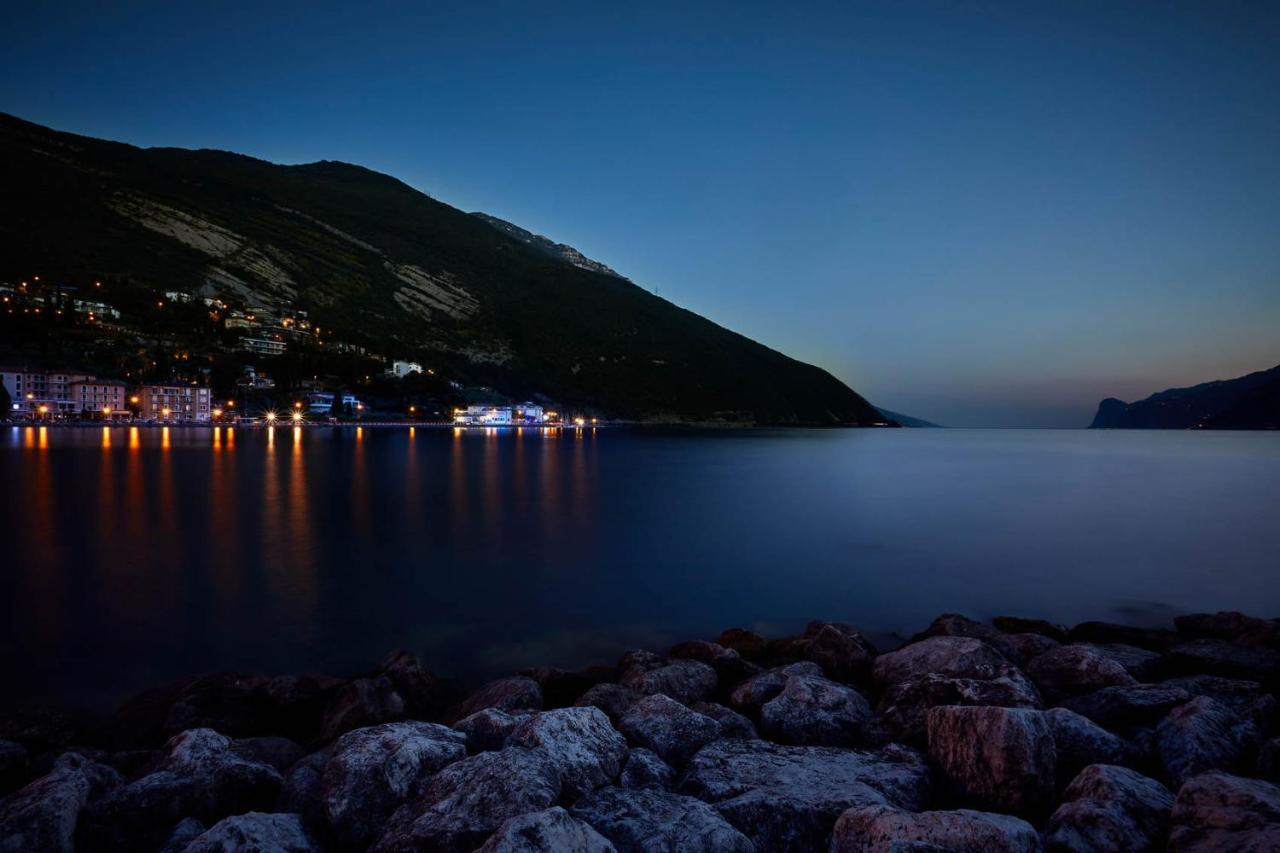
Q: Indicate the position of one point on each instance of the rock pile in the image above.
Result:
(1021, 735)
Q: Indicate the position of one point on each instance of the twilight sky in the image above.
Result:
(980, 213)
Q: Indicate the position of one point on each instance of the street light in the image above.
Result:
(271, 417)
(297, 417)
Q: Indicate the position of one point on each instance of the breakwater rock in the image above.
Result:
(1020, 735)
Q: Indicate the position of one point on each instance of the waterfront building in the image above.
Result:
(41, 393)
(320, 402)
(175, 403)
(529, 413)
(100, 397)
(263, 346)
(483, 416)
(401, 369)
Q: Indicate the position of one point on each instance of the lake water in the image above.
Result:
(132, 556)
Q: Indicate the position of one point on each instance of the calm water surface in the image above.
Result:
(133, 556)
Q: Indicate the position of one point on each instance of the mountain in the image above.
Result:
(546, 245)
(907, 420)
(382, 265)
(1249, 402)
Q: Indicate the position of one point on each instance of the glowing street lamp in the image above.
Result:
(297, 417)
(271, 417)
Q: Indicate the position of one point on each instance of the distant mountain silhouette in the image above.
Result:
(907, 420)
(1249, 402)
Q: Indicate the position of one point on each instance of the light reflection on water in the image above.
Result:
(137, 555)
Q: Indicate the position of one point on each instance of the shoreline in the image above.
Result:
(1015, 735)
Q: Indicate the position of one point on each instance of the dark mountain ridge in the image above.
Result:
(1247, 402)
(383, 265)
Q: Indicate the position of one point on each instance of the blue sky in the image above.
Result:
(979, 213)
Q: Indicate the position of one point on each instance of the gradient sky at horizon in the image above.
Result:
(978, 213)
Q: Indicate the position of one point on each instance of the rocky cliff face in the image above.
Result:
(1249, 402)
(547, 246)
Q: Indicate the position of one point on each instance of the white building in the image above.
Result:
(529, 413)
(401, 369)
(263, 346)
(483, 416)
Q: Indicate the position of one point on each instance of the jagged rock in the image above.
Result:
(1027, 646)
(1204, 735)
(187, 830)
(645, 769)
(1079, 742)
(1142, 664)
(1217, 813)
(1042, 627)
(750, 695)
(613, 699)
(278, 833)
(14, 761)
(1110, 808)
(955, 625)
(278, 752)
(359, 703)
(750, 645)
(1219, 657)
(468, 800)
(729, 665)
(373, 771)
(44, 814)
(1075, 669)
(423, 693)
(686, 681)
(1269, 760)
(303, 791)
(549, 831)
(786, 798)
(199, 776)
(1121, 708)
(489, 728)
(952, 657)
(561, 687)
(663, 725)
(518, 693)
(841, 650)
(1000, 758)
(1247, 698)
(1229, 625)
(1153, 639)
(637, 821)
(813, 711)
(581, 745)
(882, 829)
(904, 705)
(732, 724)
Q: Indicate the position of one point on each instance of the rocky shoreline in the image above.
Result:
(1020, 735)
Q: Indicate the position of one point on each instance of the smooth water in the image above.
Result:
(134, 556)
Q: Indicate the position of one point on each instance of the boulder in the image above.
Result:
(786, 798)
(1247, 698)
(1218, 812)
(1122, 708)
(1074, 669)
(1042, 627)
(549, 831)
(561, 688)
(1079, 742)
(303, 791)
(14, 761)
(750, 695)
(278, 752)
(638, 821)
(882, 829)
(468, 800)
(645, 769)
(841, 650)
(361, 702)
(686, 681)
(729, 665)
(579, 743)
(999, 758)
(373, 771)
(1219, 657)
(903, 706)
(1026, 646)
(1142, 664)
(1204, 735)
(187, 830)
(425, 696)
(1110, 808)
(1229, 625)
(813, 711)
(1152, 639)
(278, 833)
(732, 724)
(952, 657)
(750, 645)
(489, 728)
(613, 699)
(955, 625)
(518, 693)
(663, 725)
(44, 814)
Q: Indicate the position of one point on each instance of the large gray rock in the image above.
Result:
(813, 711)
(786, 798)
(361, 702)
(1142, 664)
(841, 650)
(998, 758)
(1075, 669)
(1247, 698)
(423, 693)
(749, 696)
(882, 829)
(613, 699)
(1079, 742)
(580, 744)
(1110, 808)
(748, 644)
(187, 830)
(303, 791)
(903, 706)
(549, 831)
(639, 821)
(1204, 735)
(1123, 708)
(375, 770)
(468, 800)
(44, 814)
(952, 657)
(955, 625)
(729, 665)
(645, 769)
(277, 833)
(489, 728)
(732, 724)
(278, 752)
(1026, 646)
(686, 681)
(663, 725)
(1219, 813)
(1219, 657)
(518, 693)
